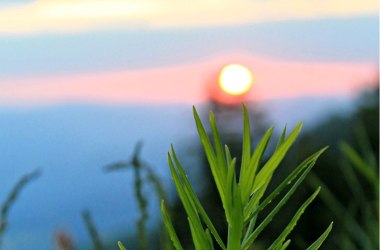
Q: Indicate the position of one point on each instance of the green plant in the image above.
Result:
(241, 196)
(138, 182)
(143, 175)
(92, 231)
(359, 217)
(12, 197)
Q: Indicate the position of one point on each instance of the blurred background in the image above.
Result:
(82, 82)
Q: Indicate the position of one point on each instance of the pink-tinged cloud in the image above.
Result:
(190, 83)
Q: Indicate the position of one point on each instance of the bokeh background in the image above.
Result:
(81, 82)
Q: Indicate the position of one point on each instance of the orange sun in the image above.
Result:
(235, 79)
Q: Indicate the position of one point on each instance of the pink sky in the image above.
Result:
(189, 83)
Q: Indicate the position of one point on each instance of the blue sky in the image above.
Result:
(340, 40)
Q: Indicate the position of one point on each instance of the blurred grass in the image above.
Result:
(92, 231)
(143, 175)
(359, 217)
(12, 197)
(348, 173)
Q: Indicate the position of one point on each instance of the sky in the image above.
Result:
(71, 15)
(121, 52)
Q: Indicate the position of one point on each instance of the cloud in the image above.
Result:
(189, 83)
(78, 15)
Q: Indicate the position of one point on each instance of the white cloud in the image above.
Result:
(77, 15)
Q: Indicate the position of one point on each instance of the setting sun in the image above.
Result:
(235, 79)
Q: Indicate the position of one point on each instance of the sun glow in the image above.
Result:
(235, 79)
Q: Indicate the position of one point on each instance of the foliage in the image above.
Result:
(347, 196)
(91, 229)
(12, 197)
(241, 196)
(121, 246)
(140, 168)
(142, 202)
(362, 230)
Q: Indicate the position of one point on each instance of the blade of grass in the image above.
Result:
(231, 182)
(246, 152)
(200, 242)
(209, 237)
(365, 145)
(271, 165)
(196, 201)
(355, 230)
(189, 206)
(255, 199)
(121, 246)
(360, 165)
(265, 174)
(236, 230)
(251, 226)
(142, 203)
(218, 173)
(169, 227)
(281, 238)
(317, 244)
(269, 218)
(235, 222)
(352, 181)
(12, 197)
(282, 138)
(228, 154)
(220, 156)
(285, 245)
(92, 231)
(248, 179)
(311, 160)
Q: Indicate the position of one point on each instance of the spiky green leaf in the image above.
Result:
(196, 201)
(247, 179)
(250, 239)
(121, 246)
(170, 228)
(281, 238)
(271, 165)
(285, 245)
(310, 161)
(246, 149)
(218, 173)
(317, 244)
